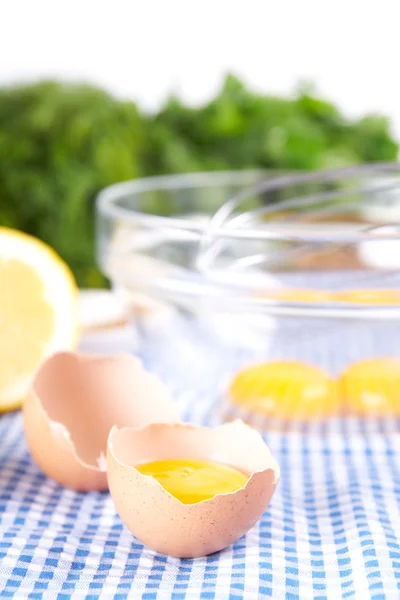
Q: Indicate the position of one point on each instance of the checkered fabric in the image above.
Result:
(332, 530)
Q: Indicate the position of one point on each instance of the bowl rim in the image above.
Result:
(211, 231)
(107, 198)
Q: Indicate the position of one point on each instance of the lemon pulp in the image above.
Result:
(192, 480)
(27, 326)
(38, 301)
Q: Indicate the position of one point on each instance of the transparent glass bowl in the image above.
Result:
(227, 270)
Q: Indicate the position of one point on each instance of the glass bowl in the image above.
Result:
(270, 297)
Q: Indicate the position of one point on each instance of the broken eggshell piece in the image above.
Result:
(160, 520)
(74, 401)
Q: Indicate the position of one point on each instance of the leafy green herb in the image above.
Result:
(61, 143)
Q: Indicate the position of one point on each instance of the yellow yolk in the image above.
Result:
(372, 387)
(300, 295)
(285, 390)
(369, 296)
(350, 296)
(192, 480)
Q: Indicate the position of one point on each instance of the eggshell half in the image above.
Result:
(161, 521)
(74, 401)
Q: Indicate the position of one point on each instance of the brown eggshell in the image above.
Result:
(72, 405)
(161, 521)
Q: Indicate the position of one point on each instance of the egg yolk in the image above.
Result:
(285, 390)
(192, 480)
(372, 387)
(300, 295)
(369, 296)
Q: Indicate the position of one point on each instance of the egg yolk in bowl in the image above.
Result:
(285, 389)
(383, 297)
(372, 387)
(300, 295)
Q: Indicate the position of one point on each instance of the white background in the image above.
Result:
(144, 49)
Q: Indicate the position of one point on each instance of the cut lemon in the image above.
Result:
(285, 389)
(38, 311)
(372, 387)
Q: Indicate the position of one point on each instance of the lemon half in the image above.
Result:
(38, 311)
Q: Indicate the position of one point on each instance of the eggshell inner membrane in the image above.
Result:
(74, 402)
(159, 442)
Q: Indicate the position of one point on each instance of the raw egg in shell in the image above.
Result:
(188, 491)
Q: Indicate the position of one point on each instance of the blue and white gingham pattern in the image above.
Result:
(332, 530)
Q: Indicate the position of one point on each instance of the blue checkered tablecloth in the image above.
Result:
(332, 530)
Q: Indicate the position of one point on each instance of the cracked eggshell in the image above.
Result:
(74, 401)
(161, 521)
